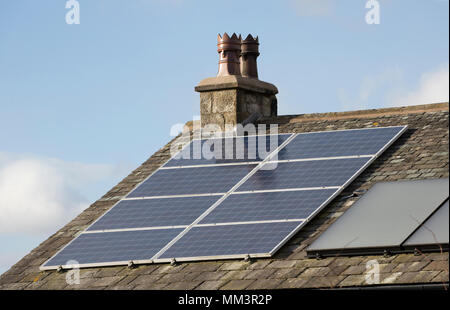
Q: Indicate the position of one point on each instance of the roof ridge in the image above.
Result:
(369, 113)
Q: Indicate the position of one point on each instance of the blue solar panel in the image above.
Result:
(191, 181)
(338, 143)
(304, 174)
(154, 212)
(227, 150)
(268, 206)
(114, 246)
(230, 240)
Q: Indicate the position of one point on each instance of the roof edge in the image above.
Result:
(414, 109)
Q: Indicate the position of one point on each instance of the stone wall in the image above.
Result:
(251, 102)
(218, 107)
(233, 106)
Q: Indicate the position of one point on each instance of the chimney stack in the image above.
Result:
(236, 92)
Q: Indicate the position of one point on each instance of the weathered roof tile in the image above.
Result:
(236, 274)
(265, 284)
(358, 269)
(293, 283)
(417, 276)
(184, 285)
(210, 285)
(410, 266)
(260, 264)
(437, 265)
(315, 272)
(203, 267)
(390, 277)
(210, 275)
(259, 274)
(353, 280)
(282, 264)
(151, 286)
(234, 265)
(442, 277)
(324, 282)
(286, 273)
(106, 281)
(237, 284)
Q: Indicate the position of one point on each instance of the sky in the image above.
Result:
(82, 105)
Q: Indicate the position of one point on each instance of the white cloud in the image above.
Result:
(39, 195)
(433, 88)
(388, 89)
(313, 7)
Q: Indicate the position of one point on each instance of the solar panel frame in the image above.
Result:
(155, 212)
(251, 207)
(234, 227)
(192, 181)
(310, 137)
(208, 162)
(100, 264)
(322, 173)
(156, 259)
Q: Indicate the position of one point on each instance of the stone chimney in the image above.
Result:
(235, 93)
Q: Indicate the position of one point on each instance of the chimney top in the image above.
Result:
(249, 53)
(229, 49)
(226, 42)
(250, 44)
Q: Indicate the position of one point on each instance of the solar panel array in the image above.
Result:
(234, 204)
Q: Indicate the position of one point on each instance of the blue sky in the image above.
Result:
(83, 105)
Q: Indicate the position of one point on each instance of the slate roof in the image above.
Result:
(420, 153)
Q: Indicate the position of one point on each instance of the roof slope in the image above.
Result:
(420, 153)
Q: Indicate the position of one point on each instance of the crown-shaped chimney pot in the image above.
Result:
(249, 53)
(229, 49)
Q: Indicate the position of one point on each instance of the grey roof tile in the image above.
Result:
(210, 285)
(237, 284)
